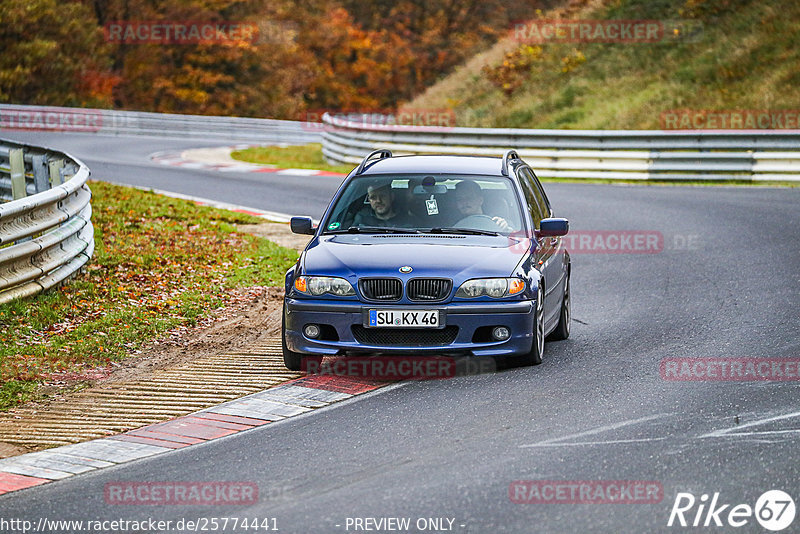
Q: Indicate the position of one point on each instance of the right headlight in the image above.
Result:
(320, 285)
(492, 287)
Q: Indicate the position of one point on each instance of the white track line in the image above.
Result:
(735, 430)
(598, 430)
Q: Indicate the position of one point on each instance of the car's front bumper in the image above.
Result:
(467, 317)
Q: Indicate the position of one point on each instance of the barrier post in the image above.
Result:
(55, 172)
(41, 179)
(17, 163)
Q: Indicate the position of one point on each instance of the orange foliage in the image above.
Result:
(309, 54)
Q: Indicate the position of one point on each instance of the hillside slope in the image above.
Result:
(746, 57)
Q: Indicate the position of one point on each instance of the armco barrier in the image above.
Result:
(166, 125)
(46, 232)
(594, 154)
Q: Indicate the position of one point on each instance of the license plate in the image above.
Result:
(403, 319)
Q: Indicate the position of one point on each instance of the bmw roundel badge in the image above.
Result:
(405, 269)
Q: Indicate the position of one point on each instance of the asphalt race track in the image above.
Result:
(126, 160)
(726, 284)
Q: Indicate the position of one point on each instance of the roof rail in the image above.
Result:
(382, 152)
(510, 154)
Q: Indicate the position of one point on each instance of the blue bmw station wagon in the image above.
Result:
(422, 255)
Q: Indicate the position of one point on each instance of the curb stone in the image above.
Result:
(283, 401)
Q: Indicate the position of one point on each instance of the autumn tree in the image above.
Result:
(353, 69)
(309, 54)
(53, 54)
(258, 77)
(439, 34)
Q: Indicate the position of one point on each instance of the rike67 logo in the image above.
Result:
(774, 510)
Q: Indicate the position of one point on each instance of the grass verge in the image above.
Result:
(159, 263)
(291, 157)
(741, 59)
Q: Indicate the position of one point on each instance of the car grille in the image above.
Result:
(428, 289)
(405, 337)
(381, 289)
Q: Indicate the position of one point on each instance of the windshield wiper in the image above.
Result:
(376, 230)
(467, 231)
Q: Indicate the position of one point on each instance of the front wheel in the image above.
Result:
(564, 319)
(294, 360)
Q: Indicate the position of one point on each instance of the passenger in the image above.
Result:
(381, 210)
(469, 201)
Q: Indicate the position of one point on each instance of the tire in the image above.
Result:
(565, 317)
(534, 357)
(294, 360)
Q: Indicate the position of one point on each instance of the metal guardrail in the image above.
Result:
(166, 125)
(46, 232)
(592, 154)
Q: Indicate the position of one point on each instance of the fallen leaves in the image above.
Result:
(159, 264)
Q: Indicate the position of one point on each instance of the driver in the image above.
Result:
(382, 210)
(469, 201)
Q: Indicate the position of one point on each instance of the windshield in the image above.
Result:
(424, 203)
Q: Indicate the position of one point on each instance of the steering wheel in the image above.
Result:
(478, 222)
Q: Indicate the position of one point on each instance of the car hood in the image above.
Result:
(458, 257)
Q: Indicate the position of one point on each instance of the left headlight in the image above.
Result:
(320, 285)
(492, 287)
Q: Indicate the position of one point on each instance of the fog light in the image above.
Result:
(312, 331)
(501, 333)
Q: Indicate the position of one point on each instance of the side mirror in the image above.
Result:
(302, 225)
(553, 227)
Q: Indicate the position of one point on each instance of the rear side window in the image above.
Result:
(544, 204)
(534, 197)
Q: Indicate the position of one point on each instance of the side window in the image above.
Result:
(530, 190)
(540, 196)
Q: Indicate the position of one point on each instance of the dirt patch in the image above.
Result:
(254, 315)
(7, 450)
(250, 316)
(277, 233)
